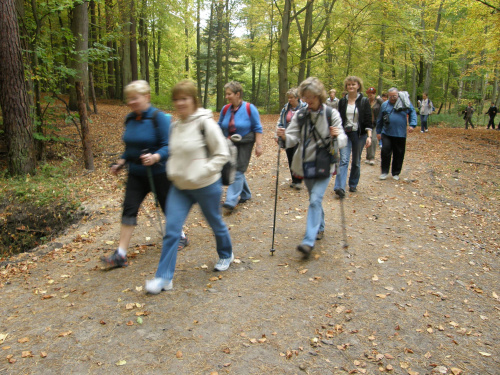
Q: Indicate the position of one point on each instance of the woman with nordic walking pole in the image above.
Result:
(318, 132)
(146, 150)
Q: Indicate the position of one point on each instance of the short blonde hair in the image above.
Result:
(140, 87)
(354, 79)
(188, 88)
(293, 92)
(332, 90)
(314, 86)
(235, 87)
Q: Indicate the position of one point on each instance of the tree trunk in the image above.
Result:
(380, 87)
(198, 47)
(88, 158)
(80, 30)
(271, 44)
(219, 55)
(126, 64)
(304, 41)
(143, 43)
(209, 53)
(134, 68)
(92, 91)
(430, 61)
(283, 54)
(14, 98)
(156, 34)
(110, 64)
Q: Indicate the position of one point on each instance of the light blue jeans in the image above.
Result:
(355, 144)
(179, 203)
(315, 214)
(239, 189)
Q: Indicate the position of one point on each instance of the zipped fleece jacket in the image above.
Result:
(197, 152)
(295, 135)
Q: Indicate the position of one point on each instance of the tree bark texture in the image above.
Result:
(80, 30)
(283, 54)
(14, 98)
(88, 158)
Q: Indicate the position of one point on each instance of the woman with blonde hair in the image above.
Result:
(356, 116)
(197, 153)
(313, 129)
(146, 151)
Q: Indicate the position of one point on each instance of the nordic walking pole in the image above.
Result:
(280, 142)
(342, 216)
(153, 190)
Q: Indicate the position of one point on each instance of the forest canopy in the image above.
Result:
(448, 48)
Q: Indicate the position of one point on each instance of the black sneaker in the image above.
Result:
(305, 250)
(352, 189)
(115, 260)
(340, 192)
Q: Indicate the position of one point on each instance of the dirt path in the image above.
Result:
(418, 296)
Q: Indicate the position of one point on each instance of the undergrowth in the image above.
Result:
(33, 209)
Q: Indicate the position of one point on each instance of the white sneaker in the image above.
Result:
(383, 176)
(158, 284)
(367, 161)
(396, 177)
(223, 264)
(372, 162)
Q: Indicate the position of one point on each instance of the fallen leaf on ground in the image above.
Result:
(43, 354)
(178, 354)
(121, 363)
(3, 336)
(484, 354)
(303, 271)
(26, 354)
(23, 340)
(64, 334)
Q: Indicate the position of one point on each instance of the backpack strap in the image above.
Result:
(226, 107)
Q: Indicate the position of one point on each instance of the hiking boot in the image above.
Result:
(223, 264)
(227, 209)
(395, 177)
(340, 192)
(243, 200)
(352, 189)
(320, 235)
(305, 250)
(115, 260)
(383, 176)
(158, 284)
(297, 186)
(183, 242)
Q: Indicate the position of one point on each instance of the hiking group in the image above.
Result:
(184, 162)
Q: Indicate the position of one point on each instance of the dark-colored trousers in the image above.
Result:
(136, 190)
(289, 154)
(392, 147)
(467, 121)
(492, 122)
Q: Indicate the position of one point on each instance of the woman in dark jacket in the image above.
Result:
(356, 115)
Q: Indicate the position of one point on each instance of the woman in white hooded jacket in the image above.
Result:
(197, 153)
(311, 128)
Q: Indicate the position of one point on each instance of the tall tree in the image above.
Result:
(80, 30)
(14, 97)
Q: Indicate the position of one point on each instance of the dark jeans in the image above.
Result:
(137, 189)
(423, 122)
(467, 121)
(392, 147)
(289, 154)
(355, 144)
(492, 122)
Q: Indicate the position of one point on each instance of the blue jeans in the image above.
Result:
(238, 189)
(423, 122)
(179, 203)
(355, 143)
(315, 214)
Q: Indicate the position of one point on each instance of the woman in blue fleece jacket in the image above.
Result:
(240, 119)
(146, 146)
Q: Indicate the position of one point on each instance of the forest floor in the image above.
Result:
(416, 292)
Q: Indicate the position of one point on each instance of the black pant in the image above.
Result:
(492, 122)
(289, 154)
(392, 147)
(467, 121)
(137, 189)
